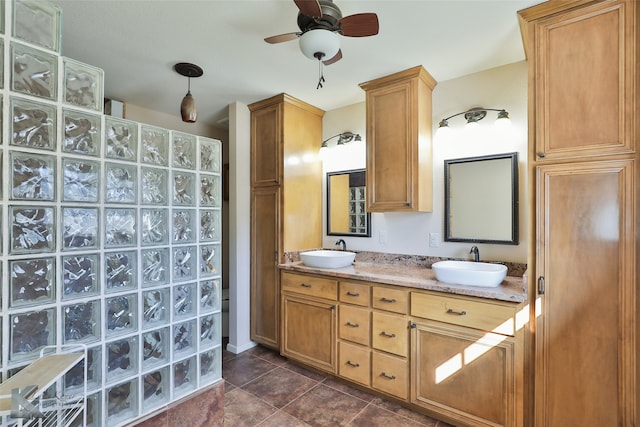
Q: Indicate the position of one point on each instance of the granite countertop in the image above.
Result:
(512, 289)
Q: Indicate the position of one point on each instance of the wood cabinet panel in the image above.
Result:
(354, 363)
(265, 280)
(586, 327)
(585, 113)
(390, 333)
(355, 293)
(388, 299)
(390, 374)
(464, 374)
(309, 332)
(399, 159)
(310, 285)
(354, 324)
(281, 127)
(266, 145)
(464, 312)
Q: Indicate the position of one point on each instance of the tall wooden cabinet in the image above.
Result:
(399, 160)
(584, 184)
(286, 188)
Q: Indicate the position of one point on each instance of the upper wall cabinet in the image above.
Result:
(399, 163)
(584, 107)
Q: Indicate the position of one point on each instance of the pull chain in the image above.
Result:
(320, 75)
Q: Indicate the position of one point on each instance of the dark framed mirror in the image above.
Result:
(346, 204)
(481, 199)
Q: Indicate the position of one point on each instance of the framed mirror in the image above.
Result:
(481, 199)
(346, 204)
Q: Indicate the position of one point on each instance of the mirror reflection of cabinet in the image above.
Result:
(481, 199)
(346, 204)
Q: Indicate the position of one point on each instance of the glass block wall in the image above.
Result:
(111, 232)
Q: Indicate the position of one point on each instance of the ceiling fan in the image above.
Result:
(320, 23)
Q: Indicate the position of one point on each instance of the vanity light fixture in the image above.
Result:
(343, 138)
(474, 115)
(188, 109)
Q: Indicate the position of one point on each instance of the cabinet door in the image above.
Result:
(391, 148)
(266, 145)
(465, 374)
(309, 331)
(265, 243)
(584, 68)
(586, 301)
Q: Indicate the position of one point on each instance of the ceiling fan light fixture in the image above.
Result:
(319, 44)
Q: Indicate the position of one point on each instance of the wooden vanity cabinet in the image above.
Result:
(399, 159)
(457, 358)
(461, 367)
(309, 320)
(281, 127)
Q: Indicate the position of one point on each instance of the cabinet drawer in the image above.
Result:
(473, 314)
(355, 363)
(355, 293)
(390, 333)
(354, 324)
(309, 285)
(388, 299)
(390, 374)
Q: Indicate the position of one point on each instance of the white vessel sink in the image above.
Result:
(470, 273)
(327, 259)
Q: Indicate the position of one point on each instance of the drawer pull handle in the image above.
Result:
(353, 294)
(304, 285)
(352, 325)
(384, 334)
(393, 300)
(355, 365)
(459, 313)
(389, 377)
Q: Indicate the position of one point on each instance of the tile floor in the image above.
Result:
(264, 389)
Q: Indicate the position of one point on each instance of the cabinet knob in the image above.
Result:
(305, 285)
(352, 325)
(542, 155)
(384, 334)
(458, 313)
(350, 363)
(383, 299)
(353, 294)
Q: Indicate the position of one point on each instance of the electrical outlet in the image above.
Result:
(382, 237)
(434, 240)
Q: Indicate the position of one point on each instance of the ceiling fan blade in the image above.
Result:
(282, 38)
(336, 58)
(309, 7)
(359, 25)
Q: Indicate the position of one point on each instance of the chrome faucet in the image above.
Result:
(476, 253)
(343, 243)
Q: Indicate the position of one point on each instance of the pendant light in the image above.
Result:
(188, 108)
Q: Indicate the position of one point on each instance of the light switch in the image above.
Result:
(434, 240)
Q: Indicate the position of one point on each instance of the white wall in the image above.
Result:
(173, 121)
(407, 233)
(239, 227)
